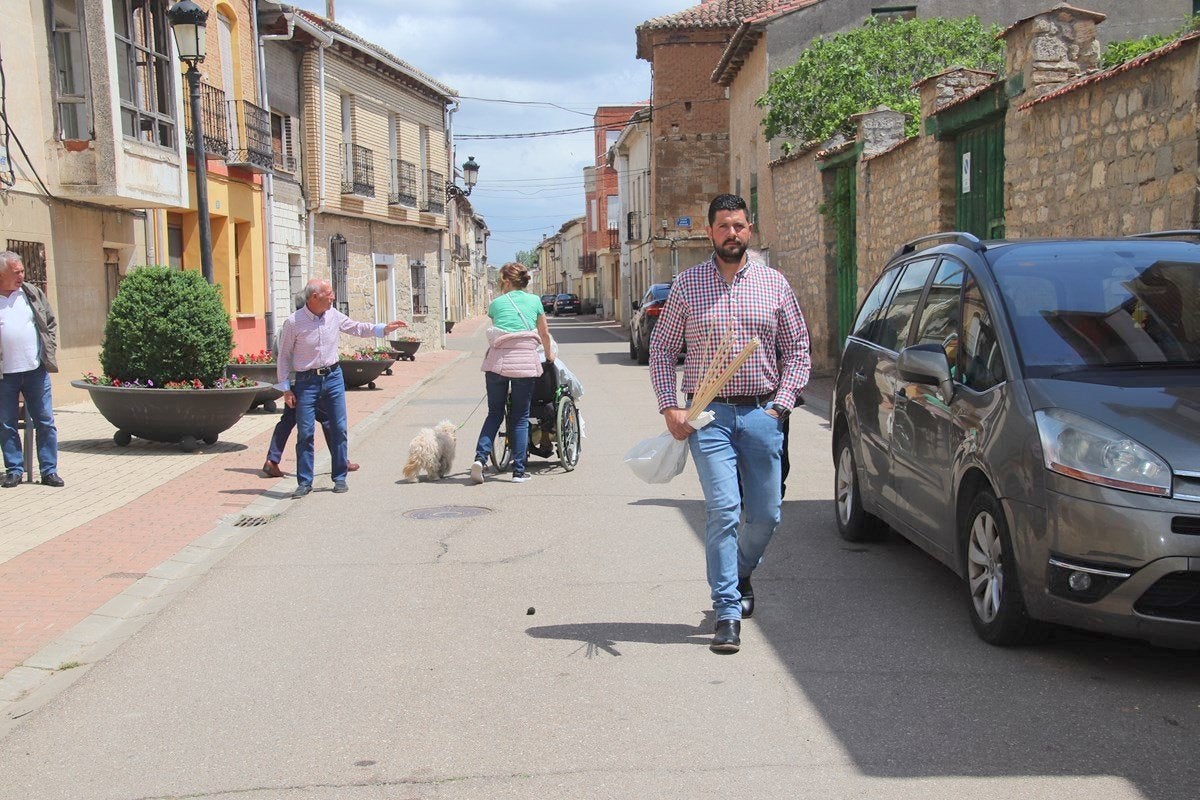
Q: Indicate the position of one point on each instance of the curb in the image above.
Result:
(32, 684)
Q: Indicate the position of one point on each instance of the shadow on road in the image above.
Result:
(605, 636)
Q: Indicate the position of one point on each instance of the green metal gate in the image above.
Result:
(843, 205)
(980, 198)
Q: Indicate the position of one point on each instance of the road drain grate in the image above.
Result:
(447, 512)
(252, 522)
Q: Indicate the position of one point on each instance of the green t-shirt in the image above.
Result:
(503, 311)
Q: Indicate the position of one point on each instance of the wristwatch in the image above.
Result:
(781, 410)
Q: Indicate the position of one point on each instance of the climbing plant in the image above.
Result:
(1117, 53)
(875, 64)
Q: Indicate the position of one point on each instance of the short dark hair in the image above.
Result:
(725, 202)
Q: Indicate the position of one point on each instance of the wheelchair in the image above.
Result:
(552, 410)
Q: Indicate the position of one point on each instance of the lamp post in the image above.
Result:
(188, 24)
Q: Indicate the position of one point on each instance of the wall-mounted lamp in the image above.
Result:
(470, 171)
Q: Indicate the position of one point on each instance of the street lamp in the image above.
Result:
(470, 171)
(188, 24)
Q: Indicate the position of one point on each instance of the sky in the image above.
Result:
(519, 66)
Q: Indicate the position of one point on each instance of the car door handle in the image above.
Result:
(858, 377)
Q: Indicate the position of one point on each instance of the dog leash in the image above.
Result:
(473, 410)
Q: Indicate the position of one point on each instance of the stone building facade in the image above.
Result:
(1084, 152)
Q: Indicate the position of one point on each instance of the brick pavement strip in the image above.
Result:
(77, 562)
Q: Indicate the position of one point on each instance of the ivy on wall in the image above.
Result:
(875, 64)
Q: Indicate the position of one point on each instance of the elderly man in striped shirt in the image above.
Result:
(308, 346)
(733, 291)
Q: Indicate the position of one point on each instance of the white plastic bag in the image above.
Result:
(661, 458)
(568, 379)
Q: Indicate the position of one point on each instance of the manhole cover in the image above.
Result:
(447, 512)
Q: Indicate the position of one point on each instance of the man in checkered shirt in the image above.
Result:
(733, 291)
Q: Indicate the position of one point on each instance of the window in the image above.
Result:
(610, 138)
(339, 266)
(416, 272)
(866, 324)
(174, 241)
(593, 212)
(894, 13)
(939, 320)
(70, 71)
(979, 360)
(894, 327)
(144, 71)
(282, 148)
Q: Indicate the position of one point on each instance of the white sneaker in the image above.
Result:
(522, 478)
(477, 472)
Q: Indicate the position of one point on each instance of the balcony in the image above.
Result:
(587, 264)
(213, 122)
(250, 132)
(404, 184)
(358, 171)
(435, 192)
(614, 237)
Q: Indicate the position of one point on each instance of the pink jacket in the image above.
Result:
(513, 355)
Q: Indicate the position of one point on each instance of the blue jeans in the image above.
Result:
(497, 396)
(285, 426)
(312, 391)
(749, 440)
(34, 385)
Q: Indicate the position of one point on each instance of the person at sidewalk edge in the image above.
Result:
(287, 423)
(308, 346)
(518, 324)
(733, 292)
(28, 354)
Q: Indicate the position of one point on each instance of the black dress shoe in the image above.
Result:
(11, 479)
(728, 637)
(52, 479)
(302, 490)
(747, 592)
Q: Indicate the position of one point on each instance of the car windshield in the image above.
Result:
(1103, 304)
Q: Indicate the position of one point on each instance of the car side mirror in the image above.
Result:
(927, 364)
(636, 305)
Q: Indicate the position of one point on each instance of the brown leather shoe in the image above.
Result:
(272, 470)
(351, 466)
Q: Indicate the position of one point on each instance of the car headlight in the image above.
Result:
(1081, 448)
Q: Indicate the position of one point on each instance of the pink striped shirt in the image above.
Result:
(309, 342)
(703, 306)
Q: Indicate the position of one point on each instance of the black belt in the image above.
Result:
(743, 399)
(320, 372)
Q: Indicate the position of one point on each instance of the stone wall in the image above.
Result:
(1109, 158)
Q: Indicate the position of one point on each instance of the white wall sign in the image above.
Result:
(966, 172)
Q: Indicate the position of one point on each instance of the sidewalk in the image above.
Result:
(64, 553)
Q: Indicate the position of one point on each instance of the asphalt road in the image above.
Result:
(555, 646)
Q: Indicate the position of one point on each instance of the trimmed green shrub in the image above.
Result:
(166, 326)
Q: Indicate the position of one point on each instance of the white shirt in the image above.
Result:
(18, 334)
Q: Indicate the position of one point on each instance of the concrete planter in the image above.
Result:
(405, 350)
(185, 416)
(263, 373)
(363, 373)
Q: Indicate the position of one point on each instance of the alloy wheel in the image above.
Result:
(844, 486)
(985, 567)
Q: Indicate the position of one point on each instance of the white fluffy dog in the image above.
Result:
(432, 450)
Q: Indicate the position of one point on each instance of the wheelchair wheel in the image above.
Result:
(502, 451)
(567, 417)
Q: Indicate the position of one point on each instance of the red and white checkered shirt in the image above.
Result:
(703, 306)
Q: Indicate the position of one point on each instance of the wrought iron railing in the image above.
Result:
(614, 237)
(212, 121)
(404, 184)
(251, 129)
(358, 171)
(435, 192)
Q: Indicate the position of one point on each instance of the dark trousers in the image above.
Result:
(285, 426)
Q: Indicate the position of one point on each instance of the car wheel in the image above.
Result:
(993, 584)
(853, 522)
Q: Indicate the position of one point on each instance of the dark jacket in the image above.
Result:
(47, 327)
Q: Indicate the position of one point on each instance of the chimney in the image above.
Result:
(329, 10)
(1051, 49)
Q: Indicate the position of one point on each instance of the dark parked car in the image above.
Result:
(566, 304)
(645, 314)
(1028, 412)
(548, 302)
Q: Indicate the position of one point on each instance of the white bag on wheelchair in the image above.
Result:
(661, 458)
(568, 379)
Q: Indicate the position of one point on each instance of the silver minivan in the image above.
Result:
(1028, 412)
